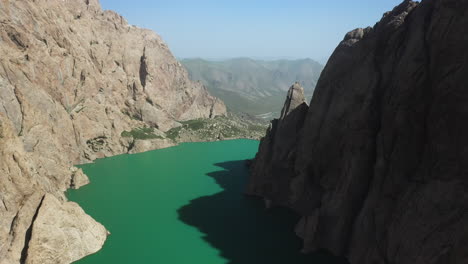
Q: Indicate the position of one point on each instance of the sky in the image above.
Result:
(267, 29)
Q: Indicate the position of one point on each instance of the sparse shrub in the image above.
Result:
(141, 133)
(195, 124)
(173, 133)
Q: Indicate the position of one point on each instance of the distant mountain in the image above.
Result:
(254, 86)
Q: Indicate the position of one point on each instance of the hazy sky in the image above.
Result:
(252, 28)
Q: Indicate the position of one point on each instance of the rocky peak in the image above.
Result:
(390, 20)
(294, 98)
(397, 16)
(356, 34)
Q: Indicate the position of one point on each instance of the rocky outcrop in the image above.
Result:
(72, 79)
(62, 233)
(378, 166)
(277, 150)
(294, 99)
(78, 178)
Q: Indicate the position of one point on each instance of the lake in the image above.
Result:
(185, 205)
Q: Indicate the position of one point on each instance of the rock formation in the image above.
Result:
(72, 79)
(276, 152)
(377, 168)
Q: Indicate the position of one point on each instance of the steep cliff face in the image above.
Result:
(378, 166)
(72, 79)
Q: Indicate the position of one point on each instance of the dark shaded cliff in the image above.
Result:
(378, 165)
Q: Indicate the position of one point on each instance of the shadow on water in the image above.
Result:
(242, 229)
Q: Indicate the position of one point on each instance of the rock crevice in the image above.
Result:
(27, 239)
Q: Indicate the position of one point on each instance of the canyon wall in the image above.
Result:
(377, 164)
(72, 78)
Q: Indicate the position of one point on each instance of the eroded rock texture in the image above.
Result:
(72, 79)
(378, 167)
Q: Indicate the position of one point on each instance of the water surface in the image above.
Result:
(185, 205)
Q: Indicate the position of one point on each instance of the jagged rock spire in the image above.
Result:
(294, 98)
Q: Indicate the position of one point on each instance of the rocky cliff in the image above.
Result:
(73, 78)
(377, 164)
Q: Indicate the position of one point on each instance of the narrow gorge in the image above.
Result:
(376, 164)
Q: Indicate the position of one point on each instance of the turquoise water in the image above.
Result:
(185, 205)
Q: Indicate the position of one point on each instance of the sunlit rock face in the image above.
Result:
(378, 165)
(72, 79)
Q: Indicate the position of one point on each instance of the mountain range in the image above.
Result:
(252, 86)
